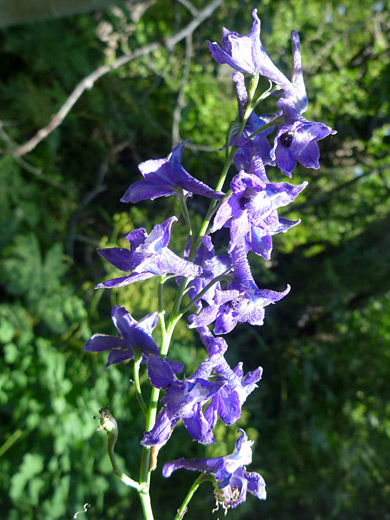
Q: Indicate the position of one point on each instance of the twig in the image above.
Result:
(27, 166)
(187, 4)
(88, 82)
(203, 14)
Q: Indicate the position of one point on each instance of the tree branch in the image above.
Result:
(88, 82)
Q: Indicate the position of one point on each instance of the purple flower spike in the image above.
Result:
(296, 140)
(164, 177)
(133, 336)
(148, 256)
(232, 479)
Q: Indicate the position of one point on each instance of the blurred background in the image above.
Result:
(321, 416)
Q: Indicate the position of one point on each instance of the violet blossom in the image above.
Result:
(245, 53)
(183, 400)
(242, 302)
(133, 336)
(227, 403)
(296, 140)
(148, 256)
(232, 480)
(251, 212)
(164, 177)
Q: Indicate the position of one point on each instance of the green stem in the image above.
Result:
(183, 203)
(203, 477)
(138, 393)
(146, 505)
(108, 423)
(145, 467)
(161, 311)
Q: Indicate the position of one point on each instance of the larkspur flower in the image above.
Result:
(148, 256)
(228, 402)
(245, 53)
(133, 336)
(164, 177)
(296, 138)
(251, 211)
(242, 302)
(232, 480)
(296, 141)
(183, 400)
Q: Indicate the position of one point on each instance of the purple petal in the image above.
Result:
(136, 238)
(161, 431)
(118, 356)
(256, 484)
(160, 372)
(171, 263)
(146, 190)
(124, 280)
(208, 465)
(198, 427)
(118, 257)
(228, 406)
(102, 342)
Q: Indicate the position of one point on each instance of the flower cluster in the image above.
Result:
(220, 289)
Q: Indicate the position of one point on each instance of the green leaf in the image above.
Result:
(32, 465)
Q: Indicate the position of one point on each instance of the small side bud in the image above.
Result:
(108, 423)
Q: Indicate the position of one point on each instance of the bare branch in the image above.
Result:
(187, 4)
(88, 82)
(26, 166)
(203, 14)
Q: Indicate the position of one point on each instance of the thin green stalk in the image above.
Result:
(161, 312)
(138, 393)
(203, 477)
(108, 423)
(183, 204)
(146, 504)
(145, 466)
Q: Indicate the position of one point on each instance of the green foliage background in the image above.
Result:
(321, 416)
